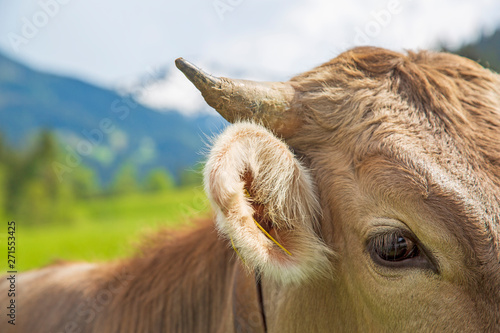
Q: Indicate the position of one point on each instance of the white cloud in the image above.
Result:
(116, 41)
(173, 92)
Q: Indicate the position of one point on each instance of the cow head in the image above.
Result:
(380, 173)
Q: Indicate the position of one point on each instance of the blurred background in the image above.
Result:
(102, 139)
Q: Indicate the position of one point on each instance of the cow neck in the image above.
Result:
(248, 304)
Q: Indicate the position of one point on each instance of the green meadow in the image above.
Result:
(105, 228)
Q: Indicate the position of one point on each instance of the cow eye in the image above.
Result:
(398, 248)
(395, 246)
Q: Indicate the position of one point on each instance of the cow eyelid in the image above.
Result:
(394, 246)
(398, 248)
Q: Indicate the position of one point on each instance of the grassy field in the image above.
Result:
(105, 228)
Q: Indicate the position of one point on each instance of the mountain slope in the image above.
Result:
(105, 129)
(486, 51)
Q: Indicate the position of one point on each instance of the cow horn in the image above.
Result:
(268, 103)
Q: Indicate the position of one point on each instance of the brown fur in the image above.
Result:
(182, 282)
(411, 140)
(415, 137)
(448, 105)
(183, 285)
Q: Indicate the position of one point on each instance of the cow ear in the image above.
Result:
(265, 204)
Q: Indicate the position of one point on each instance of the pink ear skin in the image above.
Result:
(252, 179)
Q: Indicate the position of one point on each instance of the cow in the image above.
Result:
(363, 195)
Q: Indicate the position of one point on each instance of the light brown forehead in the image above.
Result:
(425, 124)
(462, 206)
(439, 93)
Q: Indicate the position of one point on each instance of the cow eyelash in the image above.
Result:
(398, 249)
(394, 246)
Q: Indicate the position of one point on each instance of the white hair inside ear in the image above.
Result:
(265, 203)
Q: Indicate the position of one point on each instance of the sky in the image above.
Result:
(131, 45)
